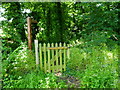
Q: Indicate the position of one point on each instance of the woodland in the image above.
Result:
(92, 29)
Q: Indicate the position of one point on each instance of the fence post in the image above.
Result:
(36, 52)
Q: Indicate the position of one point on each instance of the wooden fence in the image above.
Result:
(51, 57)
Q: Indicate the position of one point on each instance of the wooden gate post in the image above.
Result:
(29, 33)
(29, 22)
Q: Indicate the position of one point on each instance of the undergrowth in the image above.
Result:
(94, 61)
(19, 71)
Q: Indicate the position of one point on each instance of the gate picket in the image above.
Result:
(40, 50)
(48, 58)
(56, 45)
(60, 57)
(45, 68)
(64, 57)
(52, 57)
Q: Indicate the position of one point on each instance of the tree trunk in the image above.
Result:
(60, 20)
(48, 24)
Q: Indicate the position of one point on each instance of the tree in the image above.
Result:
(14, 14)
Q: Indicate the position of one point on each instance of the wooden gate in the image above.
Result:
(51, 57)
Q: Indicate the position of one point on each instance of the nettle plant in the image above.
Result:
(51, 81)
(20, 61)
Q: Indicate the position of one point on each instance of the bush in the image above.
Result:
(20, 62)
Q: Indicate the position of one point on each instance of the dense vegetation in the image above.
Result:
(92, 30)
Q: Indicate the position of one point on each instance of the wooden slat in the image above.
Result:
(44, 45)
(52, 60)
(48, 58)
(64, 58)
(60, 57)
(40, 50)
(56, 57)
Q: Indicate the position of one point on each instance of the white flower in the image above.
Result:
(19, 77)
(47, 82)
(110, 55)
(47, 78)
(15, 67)
(40, 80)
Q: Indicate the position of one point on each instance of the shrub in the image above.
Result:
(78, 59)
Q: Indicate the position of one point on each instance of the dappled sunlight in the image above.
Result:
(110, 55)
(84, 55)
(76, 43)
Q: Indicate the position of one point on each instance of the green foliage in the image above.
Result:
(51, 82)
(99, 77)
(94, 63)
(19, 72)
(29, 80)
(34, 79)
(59, 22)
(13, 25)
(19, 61)
(103, 70)
(76, 63)
(94, 55)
